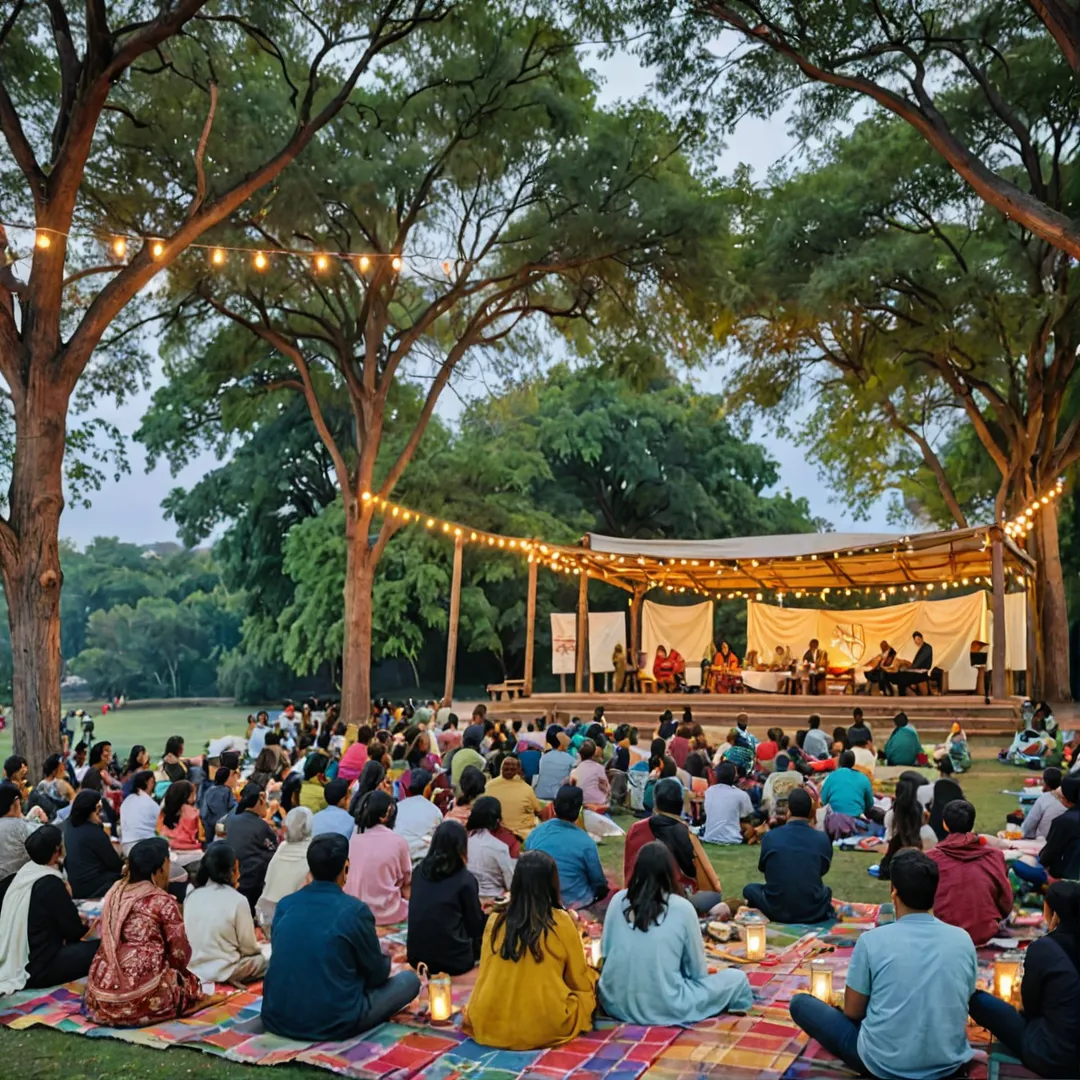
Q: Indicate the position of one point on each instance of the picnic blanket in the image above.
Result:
(764, 1044)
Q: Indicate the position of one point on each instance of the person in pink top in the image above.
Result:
(179, 820)
(592, 778)
(380, 868)
(355, 758)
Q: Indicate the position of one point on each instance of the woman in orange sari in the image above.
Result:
(725, 669)
(139, 975)
(663, 669)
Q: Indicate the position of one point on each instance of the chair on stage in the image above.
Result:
(978, 658)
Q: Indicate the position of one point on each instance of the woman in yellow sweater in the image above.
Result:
(535, 988)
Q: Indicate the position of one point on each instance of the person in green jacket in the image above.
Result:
(903, 747)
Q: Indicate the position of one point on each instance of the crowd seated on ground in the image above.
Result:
(408, 840)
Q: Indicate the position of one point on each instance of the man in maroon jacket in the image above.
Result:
(973, 889)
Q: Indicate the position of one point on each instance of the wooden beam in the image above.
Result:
(997, 576)
(635, 624)
(530, 628)
(452, 628)
(582, 634)
(1034, 676)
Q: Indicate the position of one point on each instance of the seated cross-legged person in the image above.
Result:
(848, 797)
(973, 887)
(446, 922)
(903, 1016)
(591, 776)
(1045, 1035)
(328, 978)
(218, 922)
(417, 817)
(490, 862)
(380, 867)
(655, 970)
(694, 873)
(41, 931)
(534, 988)
(516, 798)
(580, 874)
(726, 808)
(794, 858)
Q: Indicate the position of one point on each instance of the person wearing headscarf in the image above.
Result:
(1044, 1035)
(140, 974)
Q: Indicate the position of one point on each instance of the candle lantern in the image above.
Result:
(1007, 975)
(753, 924)
(821, 980)
(440, 995)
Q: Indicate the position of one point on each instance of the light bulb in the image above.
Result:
(321, 263)
(43, 240)
(363, 263)
(119, 247)
(395, 263)
(259, 261)
(217, 256)
(157, 248)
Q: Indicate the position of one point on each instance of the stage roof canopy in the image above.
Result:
(802, 562)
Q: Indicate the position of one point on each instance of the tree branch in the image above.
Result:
(200, 153)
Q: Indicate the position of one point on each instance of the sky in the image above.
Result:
(131, 508)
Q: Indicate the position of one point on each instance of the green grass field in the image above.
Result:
(48, 1055)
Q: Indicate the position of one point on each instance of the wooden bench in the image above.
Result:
(511, 688)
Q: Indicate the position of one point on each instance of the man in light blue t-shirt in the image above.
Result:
(906, 1002)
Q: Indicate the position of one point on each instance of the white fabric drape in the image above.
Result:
(606, 630)
(853, 637)
(563, 643)
(1015, 631)
(687, 629)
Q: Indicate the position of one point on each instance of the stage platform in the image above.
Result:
(932, 716)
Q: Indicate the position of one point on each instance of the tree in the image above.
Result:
(74, 91)
(882, 291)
(949, 71)
(491, 190)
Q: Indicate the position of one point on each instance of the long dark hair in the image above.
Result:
(651, 883)
(1063, 899)
(534, 899)
(472, 784)
(371, 776)
(133, 765)
(173, 803)
(485, 813)
(217, 865)
(446, 856)
(907, 819)
(373, 808)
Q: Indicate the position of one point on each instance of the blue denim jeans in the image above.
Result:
(831, 1028)
(390, 998)
(1000, 1019)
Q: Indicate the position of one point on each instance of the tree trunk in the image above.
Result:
(30, 563)
(1052, 629)
(356, 650)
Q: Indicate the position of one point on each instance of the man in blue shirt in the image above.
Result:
(581, 877)
(328, 977)
(904, 1018)
(335, 818)
(794, 858)
(816, 745)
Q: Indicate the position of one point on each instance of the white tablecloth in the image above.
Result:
(767, 682)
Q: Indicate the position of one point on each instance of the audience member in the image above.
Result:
(903, 747)
(518, 801)
(1044, 1034)
(816, 744)
(489, 859)
(380, 867)
(446, 923)
(848, 797)
(180, 823)
(138, 761)
(417, 816)
(694, 874)
(1047, 808)
(1061, 853)
(356, 756)
(943, 791)
(973, 884)
(556, 764)
(906, 821)
(139, 812)
(534, 988)
(794, 859)
(468, 753)
(778, 786)
(218, 923)
(655, 970)
(335, 818)
(726, 807)
(140, 974)
(91, 862)
(574, 851)
(218, 799)
(328, 978)
(287, 871)
(902, 1016)
(591, 777)
(14, 829)
(253, 841)
(42, 935)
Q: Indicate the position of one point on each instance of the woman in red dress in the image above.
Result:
(139, 975)
(663, 669)
(725, 669)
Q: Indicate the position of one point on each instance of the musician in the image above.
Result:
(877, 671)
(816, 662)
(663, 670)
(920, 670)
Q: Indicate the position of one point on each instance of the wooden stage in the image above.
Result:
(932, 716)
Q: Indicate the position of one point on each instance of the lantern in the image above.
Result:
(821, 980)
(595, 954)
(440, 996)
(1006, 974)
(753, 924)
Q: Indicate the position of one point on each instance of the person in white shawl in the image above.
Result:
(288, 869)
(41, 931)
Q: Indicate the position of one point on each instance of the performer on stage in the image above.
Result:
(921, 669)
(816, 661)
(724, 675)
(877, 672)
(664, 670)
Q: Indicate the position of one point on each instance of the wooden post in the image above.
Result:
(997, 577)
(582, 633)
(530, 627)
(1033, 680)
(452, 629)
(635, 623)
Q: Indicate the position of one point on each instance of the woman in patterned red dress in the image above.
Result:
(140, 974)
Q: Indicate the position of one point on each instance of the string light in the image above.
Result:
(321, 263)
(259, 261)
(1024, 521)
(43, 240)
(119, 246)
(157, 248)
(217, 256)
(363, 263)
(395, 263)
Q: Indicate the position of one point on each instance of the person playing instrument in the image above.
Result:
(877, 671)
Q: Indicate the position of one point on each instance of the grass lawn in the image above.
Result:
(39, 1054)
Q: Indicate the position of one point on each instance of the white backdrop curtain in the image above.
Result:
(687, 629)
(606, 630)
(563, 643)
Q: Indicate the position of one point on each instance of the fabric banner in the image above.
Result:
(1015, 631)
(686, 629)
(852, 638)
(563, 643)
(606, 630)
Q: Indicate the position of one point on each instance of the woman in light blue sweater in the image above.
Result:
(654, 959)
